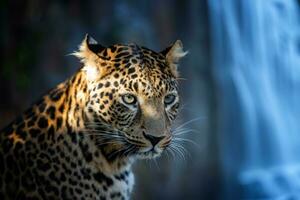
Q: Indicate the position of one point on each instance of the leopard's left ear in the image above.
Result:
(173, 54)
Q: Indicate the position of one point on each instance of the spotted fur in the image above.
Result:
(80, 139)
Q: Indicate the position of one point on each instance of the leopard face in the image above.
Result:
(132, 96)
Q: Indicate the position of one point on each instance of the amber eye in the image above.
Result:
(129, 99)
(169, 99)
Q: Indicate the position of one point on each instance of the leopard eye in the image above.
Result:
(169, 99)
(129, 99)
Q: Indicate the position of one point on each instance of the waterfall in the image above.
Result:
(256, 66)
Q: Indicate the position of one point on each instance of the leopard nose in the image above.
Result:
(153, 139)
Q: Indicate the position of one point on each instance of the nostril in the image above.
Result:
(153, 139)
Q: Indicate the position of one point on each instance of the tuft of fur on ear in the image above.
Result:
(88, 55)
(88, 50)
(173, 55)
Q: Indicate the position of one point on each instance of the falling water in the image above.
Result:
(256, 47)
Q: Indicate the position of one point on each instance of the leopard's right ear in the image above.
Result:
(90, 55)
(89, 50)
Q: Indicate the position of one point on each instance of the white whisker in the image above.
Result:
(190, 121)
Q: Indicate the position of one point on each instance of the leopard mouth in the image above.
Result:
(146, 150)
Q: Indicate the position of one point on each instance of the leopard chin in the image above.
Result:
(149, 153)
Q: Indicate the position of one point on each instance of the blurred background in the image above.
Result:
(241, 90)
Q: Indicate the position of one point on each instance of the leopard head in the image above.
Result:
(132, 96)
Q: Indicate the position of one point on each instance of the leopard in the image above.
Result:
(80, 140)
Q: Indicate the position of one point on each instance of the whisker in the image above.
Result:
(104, 134)
(180, 132)
(182, 149)
(190, 121)
(176, 151)
(128, 150)
(156, 164)
(186, 140)
(118, 151)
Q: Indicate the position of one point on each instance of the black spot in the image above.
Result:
(50, 188)
(73, 165)
(63, 192)
(72, 182)
(6, 145)
(100, 177)
(133, 76)
(116, 75)
(73, 137)
(28, 113)
(100, 85)
(104, 187)
(78, 190)
(86, 174)
(12, 165)
(115, 194)
(85, 152)
(127, 65)
(101, 94)
(134, 61)
(135, 86)
(63, 177)
(31, 122)
(41, 138)
(58, 123)
(42, 165)
(107, 84)
(126, 61)
(122, 49)
(61, 108)
(122, 54)
(42, 107)
(27, 181)
(18, 153)
(105, 52)
(51, 132)
(34, 132)
(131, 70)
(117, 65)
(43, 122)
(113, 49)
(122, 81)
(120, 177)
(21, 133)
(51, 112)
(55, 96)
(116, 84)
